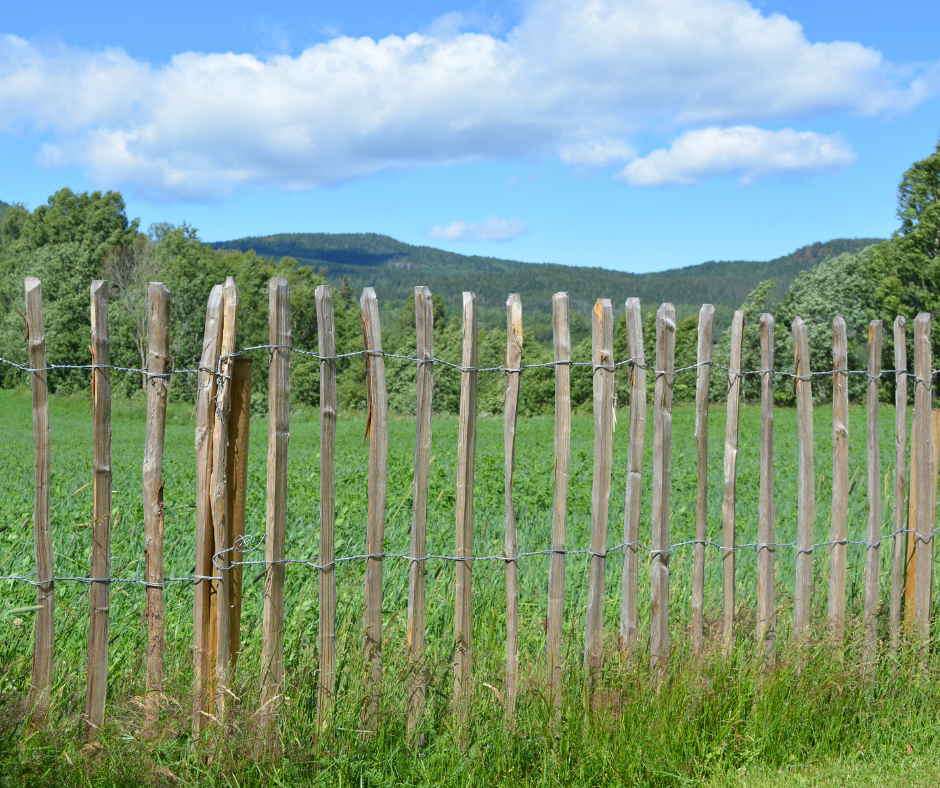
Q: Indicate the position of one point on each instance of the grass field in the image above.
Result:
(717, 719)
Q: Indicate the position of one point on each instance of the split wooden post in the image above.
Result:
(556, 568)
(806, 487)
(767, 517)
(602, 343)
(873, 549)
(706, 327)
(660, 543)
(838, 534)
(923, 452)
(417, 606)
(630, 592)
(511, 550)
(99, 591)
(326, 344)
(205, 397)
(466, 460)
(220, 488)
(158, 383)
(900, 479)
(729, 498)
(377, 429)
(44, 632)
(275, 532)
(237, 495)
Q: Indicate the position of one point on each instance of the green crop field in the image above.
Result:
(711, 718)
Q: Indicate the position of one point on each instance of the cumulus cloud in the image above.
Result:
(575, 80)
(492, 229)
(752, 152)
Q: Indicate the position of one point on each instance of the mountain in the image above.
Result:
(394, 268)
(3, 206)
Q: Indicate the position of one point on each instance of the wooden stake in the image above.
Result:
(873, 550)
(602, 342)
(629, 602)
(417, 610)
(900, 482)
(729, 499)
(923, 451)
(275, 535)
(158, 383)
(377, 429)
(556, 568)
(806, 487)
(706, 327)
(326, 341)
(44, 632)
(840, 476)
(662, 482)
(236, 497)
(466, 459)
(510, 414)
(766, 528)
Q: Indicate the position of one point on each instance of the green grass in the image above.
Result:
(716, 719)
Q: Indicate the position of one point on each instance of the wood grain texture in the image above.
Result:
(729, 497)
(706, 328)
(660, 543)
(511, 548)
(275, 530)
(630, 592)
(900, 479)
(923, 451)
(602, 343)
(466, 462)
(158, 384)
(838, 532)
(44, 627)
(377, 433)
(561, 339)
(417, 600)
(873, 550)
(767, 513)
(326, 343)
(205, 396)
(99, 592)
(806, 485)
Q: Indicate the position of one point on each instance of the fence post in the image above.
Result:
(900, 479)
(923, 451)
(377, 429)
(629, 603)
(766, 528)
(99, 591)
(272, 638)
(556, 569)
(706, 327)
(424, 335)
(838, 533)
(158, 369)
(806, 487)
(873, 549)
(44, 638)
(237, 494)
(602, 342)
(729, 499)
(466, 456)
(205, 396)
(326, 343)
(662, 481)
(510, 414)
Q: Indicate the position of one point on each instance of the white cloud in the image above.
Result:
(492, 229)
(575, 79)
(752, 152)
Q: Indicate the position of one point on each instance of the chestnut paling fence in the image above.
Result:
(222, 410)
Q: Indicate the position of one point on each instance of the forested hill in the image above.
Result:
(394, 268)
(3, 206)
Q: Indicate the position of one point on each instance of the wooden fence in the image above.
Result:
(221, 441)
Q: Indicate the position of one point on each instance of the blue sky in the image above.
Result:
(631, 134)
